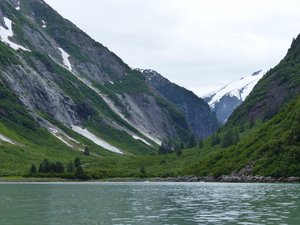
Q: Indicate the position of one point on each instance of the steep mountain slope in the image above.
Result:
(273, 91)
(201, 120)
(225, 100)
(270, 149)
(71, 84)
(268, 124)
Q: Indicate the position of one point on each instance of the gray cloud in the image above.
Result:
(198, 44)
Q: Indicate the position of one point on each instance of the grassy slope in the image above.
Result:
(272, 148)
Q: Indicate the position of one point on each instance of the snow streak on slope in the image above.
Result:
(58, 134)
(6, 139)
(66, 60)
(84, 132)
(240, 89)
(113, 107)
(6, 34)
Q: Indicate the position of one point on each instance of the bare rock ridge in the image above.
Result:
(199, 116)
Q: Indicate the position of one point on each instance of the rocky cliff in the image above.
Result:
(202, 121)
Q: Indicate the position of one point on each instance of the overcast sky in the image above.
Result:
(198, 44)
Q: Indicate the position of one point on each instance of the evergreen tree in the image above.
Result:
(80, 174)
(215, 140)
(242, 128)
(59, 167)
(45, 166)
(165, 148)
(192, 142)
(236, 137)
(200, 144)
(181, 146)
(52, 168)
(32, 170)
(77, 162)
(86, 151)
(228, 139)
(70, 167)
(143, 171)
(252, 122)
(179, 152)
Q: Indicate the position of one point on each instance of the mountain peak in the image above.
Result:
(234, 92)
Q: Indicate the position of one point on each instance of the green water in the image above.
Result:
(149, 203)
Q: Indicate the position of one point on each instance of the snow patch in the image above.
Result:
(44, 24)
(58, 136)
(5, 34)
(240, 89)
(6, 139)
(18, 7)
(84, 132)
(66, 60)
(141, 139)
(111, 82)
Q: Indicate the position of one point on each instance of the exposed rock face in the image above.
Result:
(201, 120)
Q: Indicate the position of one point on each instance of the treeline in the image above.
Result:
(225, 139)
(72, 170)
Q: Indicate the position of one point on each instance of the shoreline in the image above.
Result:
(191, 179)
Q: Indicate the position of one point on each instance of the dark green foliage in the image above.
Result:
(279, 86)
(215, 139)
(58, 168)
(230, 137)
(45, 166)
(192, 142)
(166, 147)
(70, 167)
(181, 145)
(86, 151)
(272, 148)
(33, 170)
(143, 171)
(80, 174)
(77, 162)
(179, 152)
(49, 167)
(7, 55)
(200, 143)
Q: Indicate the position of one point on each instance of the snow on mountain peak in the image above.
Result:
(240, 89)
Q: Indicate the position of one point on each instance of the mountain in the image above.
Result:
(263, 131)
(225, 100)
(62, 90)
(199, 116)
(68, 87)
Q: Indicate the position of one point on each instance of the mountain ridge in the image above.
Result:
(226, 99)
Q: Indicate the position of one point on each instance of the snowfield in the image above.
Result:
(240, 89)
(84, 132)
(66, 60)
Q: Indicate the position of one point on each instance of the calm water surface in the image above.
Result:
(149, 203)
